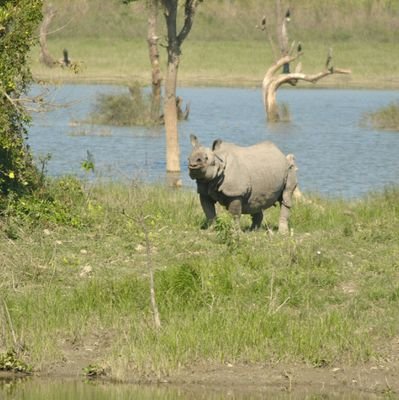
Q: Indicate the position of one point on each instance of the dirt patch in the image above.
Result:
(370, 378)
(374, 378)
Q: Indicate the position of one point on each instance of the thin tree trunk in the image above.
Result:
(172, 137)
(170, 112)
(152, 40)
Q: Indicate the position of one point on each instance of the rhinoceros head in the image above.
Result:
(203, 164)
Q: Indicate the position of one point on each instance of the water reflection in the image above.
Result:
(335, 155)
(39, 389)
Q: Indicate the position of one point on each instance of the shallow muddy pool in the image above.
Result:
(336, 156)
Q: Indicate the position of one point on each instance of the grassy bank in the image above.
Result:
(75, 287)
(231, 63)
(224, 47)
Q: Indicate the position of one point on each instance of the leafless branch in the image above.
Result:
(190, 8)
(37, 103)
(265, 27)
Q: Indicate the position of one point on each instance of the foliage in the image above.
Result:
(123, 109)
(385, 118)
(18, 23)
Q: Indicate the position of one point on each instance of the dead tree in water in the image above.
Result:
(287, 55)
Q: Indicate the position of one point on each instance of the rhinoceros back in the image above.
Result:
(261, 168)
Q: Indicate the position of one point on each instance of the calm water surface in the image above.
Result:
(37, 389)
(335, 155)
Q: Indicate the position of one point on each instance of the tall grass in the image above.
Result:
(326, 295)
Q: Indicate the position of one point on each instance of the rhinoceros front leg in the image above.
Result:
(256, 220)
(208, 206)
(235, 208)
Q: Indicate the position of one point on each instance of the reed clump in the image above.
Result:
(127, 109)
(386, 118)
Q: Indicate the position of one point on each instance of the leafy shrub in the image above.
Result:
(59, 203)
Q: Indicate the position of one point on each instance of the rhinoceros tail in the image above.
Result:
(291, 161)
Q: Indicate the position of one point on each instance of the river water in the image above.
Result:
(39, 389)
(336, 156)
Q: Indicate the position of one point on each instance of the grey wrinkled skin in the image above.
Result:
(245, 180)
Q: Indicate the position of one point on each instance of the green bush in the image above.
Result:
(59, 203)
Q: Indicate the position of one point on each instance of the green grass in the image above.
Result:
(328, 294)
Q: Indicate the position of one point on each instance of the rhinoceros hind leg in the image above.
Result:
(256, 220)
(283, 221)
(286, 201)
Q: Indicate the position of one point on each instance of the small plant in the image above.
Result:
(9, 361)
(94, 371)
(88, 163)
(227, 230)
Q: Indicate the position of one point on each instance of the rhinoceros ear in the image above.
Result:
(194, 141)
(216, 144)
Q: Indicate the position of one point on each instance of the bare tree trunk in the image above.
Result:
(175, 41)
(172, 137)
(45, 56)
(170, 112)
(152, 40)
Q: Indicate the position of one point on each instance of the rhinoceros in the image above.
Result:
(245, 180)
